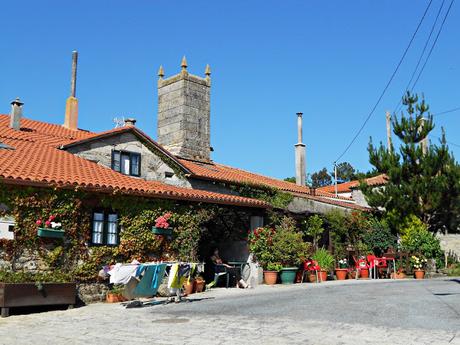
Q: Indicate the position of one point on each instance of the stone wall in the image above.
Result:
(92, 292)
(303, 205)
(184, 115)
(450, 243)
(152, 166)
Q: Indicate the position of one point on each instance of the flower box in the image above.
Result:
(31, 294)
(162, 231)
(50, 233)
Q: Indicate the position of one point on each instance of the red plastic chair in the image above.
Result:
(311, 266)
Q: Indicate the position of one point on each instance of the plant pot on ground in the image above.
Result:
(341, 273)
(325, 260)
(419, 274)
(342, 269)
(188, 286)
(271, 273)
(199, 284)
(288, 274)
(364, 273)
(115, 294)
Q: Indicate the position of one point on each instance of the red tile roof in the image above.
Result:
(226, 174)
(347, 187)
(35, 160)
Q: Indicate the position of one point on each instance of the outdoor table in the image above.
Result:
(240, 265)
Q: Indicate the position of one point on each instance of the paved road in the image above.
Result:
(351, 312)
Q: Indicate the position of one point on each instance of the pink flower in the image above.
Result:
(47, 223)
(39, 222)
(52, 218)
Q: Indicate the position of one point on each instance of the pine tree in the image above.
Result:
(422, 181)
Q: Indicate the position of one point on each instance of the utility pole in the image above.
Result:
(388, 119)
(335, 178)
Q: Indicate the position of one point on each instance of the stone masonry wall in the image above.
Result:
(450, 243)
(184, 116)
(152, 166)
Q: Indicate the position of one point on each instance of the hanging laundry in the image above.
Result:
(120, 274)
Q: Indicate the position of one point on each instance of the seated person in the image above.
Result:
(221, 266)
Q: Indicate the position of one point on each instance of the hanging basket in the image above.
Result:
(162, 231)
(50, 233)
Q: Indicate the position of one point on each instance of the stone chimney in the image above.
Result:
(300, 165)
(16, 114)
(71, 106)
(130, 122)
(184, 113)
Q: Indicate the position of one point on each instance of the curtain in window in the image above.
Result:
(135, 164)
(112, 229)
(98, 228)
(116, 161)
(125, 164)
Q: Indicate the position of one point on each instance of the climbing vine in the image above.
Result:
(273, 196)
(73, 209)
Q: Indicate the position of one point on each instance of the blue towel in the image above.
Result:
(153, 276)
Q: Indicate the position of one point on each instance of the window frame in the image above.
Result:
(105, 227)
(131, 155)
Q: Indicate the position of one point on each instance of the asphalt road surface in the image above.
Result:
(351, 312)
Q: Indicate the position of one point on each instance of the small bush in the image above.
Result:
(324, 259)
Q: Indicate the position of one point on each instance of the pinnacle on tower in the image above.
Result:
(184, 63)
(207, 71)
(161, 72)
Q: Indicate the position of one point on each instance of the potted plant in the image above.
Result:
(115, 294)
(188, 286)
(363, 268)
(271, 273)
(325, 260)
(162, 225)
(342, 269)
(260, 243)
(400, 272)
(418, 264)
(49, 228)
(289, 249)
(24, 289)
(199, 284)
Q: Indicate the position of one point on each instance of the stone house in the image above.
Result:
(126, 162)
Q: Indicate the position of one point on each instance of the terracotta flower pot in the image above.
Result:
(323, 275)
(352, 274)
(341, 273)
(270, 277)
(114, 298)
(188, 287)
(399, 275)
(419, 274)
(312, 277)
(364, 273)
(199, 285)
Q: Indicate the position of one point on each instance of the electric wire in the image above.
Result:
(388, 83)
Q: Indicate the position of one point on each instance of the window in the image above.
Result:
(168, 174)
(105, 228)
(128, 163)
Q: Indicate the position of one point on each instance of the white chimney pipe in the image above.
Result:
(300, 164)
(16, 114)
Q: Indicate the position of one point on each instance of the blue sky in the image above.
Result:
(269, 60)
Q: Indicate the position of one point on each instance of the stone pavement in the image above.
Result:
(351, 312)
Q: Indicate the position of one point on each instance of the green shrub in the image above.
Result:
(314, 229)
(28, 277)
(289, 248)
(379, 237)
(416, 239)
(274, 267)
(324, 259)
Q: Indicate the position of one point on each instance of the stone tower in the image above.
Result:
(184, 114)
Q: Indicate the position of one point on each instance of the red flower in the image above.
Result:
(39, 222)
(52, 218)
(48, 223)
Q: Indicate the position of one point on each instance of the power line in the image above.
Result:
(398, 106)
(451, 143)
(447, 111)
(388, 83)
(434, 43)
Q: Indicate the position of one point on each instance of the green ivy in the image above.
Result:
(273, 196)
